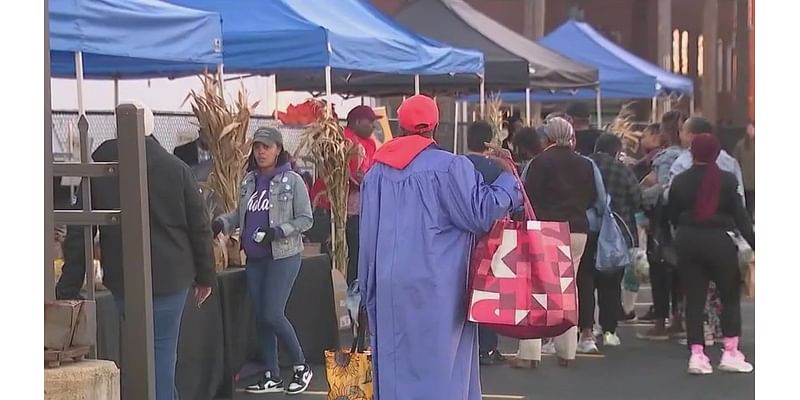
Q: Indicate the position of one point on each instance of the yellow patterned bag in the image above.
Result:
(349, 371)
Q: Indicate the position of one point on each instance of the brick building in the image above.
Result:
(634, 25)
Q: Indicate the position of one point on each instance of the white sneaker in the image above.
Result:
(733, 361)
(611, 339)
(267, 384)
(587, 346)
(300, 380)
(699, 364)
(549, 347)
(597, 331)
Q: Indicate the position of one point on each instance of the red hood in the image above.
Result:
(399, 152)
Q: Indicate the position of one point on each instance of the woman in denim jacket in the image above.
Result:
(274, 210)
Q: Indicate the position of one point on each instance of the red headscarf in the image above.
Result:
(705, 149)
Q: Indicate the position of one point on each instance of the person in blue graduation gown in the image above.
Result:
(421, 208)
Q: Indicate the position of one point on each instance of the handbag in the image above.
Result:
(522, 279)
(349, 371)
(613, 249)
(747, 264)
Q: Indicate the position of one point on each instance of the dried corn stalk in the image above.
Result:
(494, 116)
(624, 127)
(324, 143)
(224, 130)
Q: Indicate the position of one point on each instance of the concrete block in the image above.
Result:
(84, 380)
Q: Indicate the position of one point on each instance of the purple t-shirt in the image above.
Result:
(257, 214)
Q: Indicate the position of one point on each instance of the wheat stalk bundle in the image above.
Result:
(324, 143)
(224, 130)
(624, 127)
(494, 116)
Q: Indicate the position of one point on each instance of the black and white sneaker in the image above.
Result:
(300, 380)
(267, 384)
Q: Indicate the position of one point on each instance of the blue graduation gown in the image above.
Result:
(418, 221)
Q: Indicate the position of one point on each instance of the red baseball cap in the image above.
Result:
(418, 114)
(361, 112)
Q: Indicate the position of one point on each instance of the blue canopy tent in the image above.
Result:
(622, 74)
(362, 39)
(291, 38)
(144, 40)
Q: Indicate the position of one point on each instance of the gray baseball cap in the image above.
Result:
(268, 136)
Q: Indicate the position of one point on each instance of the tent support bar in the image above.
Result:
(328, 94)
(483, 97)
(79, 81)
(528, 106)
(654, 110)
(599, 111)
(691, 104)
(116, 92)
(220, 71)
(455, 127)
(416, 84)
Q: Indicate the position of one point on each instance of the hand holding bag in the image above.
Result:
(349, 371)
(522, 279)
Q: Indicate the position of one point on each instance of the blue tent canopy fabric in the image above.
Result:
(131, 37)
(622, 74)
(363, 39)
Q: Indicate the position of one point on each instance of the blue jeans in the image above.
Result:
(269, 283)
(487, 339)
(167, 313)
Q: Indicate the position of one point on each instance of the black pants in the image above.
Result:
(487, 339)
(705, 255)
(665, 284)
(608, 286)
(351, 235)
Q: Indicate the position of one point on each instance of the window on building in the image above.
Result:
(700, 50)
(685, 53)
(676, 51)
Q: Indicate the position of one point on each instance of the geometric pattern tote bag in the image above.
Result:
(522, 280)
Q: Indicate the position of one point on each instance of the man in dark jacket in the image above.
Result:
(478, 134)
(585, 135)
(180, 245)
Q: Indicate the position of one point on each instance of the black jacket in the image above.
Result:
(730, 215)
(180, 233)
(560, 184)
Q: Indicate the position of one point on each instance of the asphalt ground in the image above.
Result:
(640, 370)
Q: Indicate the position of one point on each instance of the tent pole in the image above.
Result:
(328, 95)
(528, 106)
(691, 105)
(116, 92)
(221, 73)
(654, 110)
(455, 127)
(275, 92)
(416, 84)
(483, 97)
(79, 81)
(599, 111)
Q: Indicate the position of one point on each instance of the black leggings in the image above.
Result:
(665, 284)
(705, 255)
(608, 288)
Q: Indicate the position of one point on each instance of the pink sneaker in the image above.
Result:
(733, 361)
(699, 364)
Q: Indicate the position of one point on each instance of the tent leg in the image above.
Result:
(116, 92)
(328, 94)
(528, 106)
(455, 127)
(275, 93)
(416, 84)
(691, 105)
(599, 111)
(654, 110)
(79, 81)
(221, 73)
(483, 98)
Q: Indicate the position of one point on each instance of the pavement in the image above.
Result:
(637, 370)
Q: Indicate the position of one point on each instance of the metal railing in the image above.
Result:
(134, 220)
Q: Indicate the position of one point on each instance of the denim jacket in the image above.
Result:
(290, 211)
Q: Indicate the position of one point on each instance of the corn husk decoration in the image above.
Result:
(494, 116)
(323, 142)
(224, 130)
(624, 127)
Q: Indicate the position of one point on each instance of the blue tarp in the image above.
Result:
(363, 39)
(622, 74)
(126, 37)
